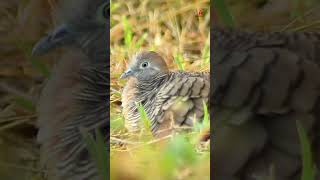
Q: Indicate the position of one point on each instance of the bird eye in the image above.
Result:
(145, 64)
(103, 12)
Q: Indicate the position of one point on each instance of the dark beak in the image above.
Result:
(126, 74)
(63, 35)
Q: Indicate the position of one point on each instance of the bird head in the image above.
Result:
(146, 65)
(82, 24)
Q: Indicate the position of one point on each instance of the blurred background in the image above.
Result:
(22, 23)
(171, 27)
(268, 15)
(180, 31)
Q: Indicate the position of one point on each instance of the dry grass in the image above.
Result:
(21, 25)
(171, 28)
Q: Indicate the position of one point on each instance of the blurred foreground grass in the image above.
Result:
(300, 20)
(170, 27)
(173, 29)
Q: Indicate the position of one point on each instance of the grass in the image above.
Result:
(21, 24)
(146, 124)
(309, 169)
(172, 29)
(98, 149)
(224, 13)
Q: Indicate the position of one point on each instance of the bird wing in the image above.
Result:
(181, 97)
(262, 85)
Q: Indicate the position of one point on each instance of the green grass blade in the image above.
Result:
(206, 118)
(223, 12)
(25, 103)
(98, 151)
(102, 152)
(144, 117)
(178, 59)
(128, 34)
(308, 167)
(113, 6)
(206, 53)
(295, 12)
(141, 41)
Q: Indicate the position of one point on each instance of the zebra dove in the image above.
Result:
(262, 84)
(169, 98)
(76, 96)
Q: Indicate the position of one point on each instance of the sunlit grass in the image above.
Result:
(172, 29)
(146, 124)
(151, 28)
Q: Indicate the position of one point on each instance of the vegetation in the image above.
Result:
(170, 27)
(174, 29)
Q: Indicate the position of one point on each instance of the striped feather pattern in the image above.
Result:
(167, 97)
(76, 96)
(64, 151)
(262, 84)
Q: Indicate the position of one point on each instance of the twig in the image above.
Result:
(123, 141)
(12, 90)
(16, 118)
(296, 19)
(13, 124)
(150, 142)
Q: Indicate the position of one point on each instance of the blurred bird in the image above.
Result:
(169, 98)
(76, 95)
(263, 84)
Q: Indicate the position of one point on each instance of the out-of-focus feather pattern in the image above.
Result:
(76, 96)
(262, 84)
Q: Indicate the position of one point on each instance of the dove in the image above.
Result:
(169, 98)
(263, 85)
(76, 96)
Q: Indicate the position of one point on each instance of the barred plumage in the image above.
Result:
(262, 84)
(167, 97)
(76, 96)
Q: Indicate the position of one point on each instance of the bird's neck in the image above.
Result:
(151, 85)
